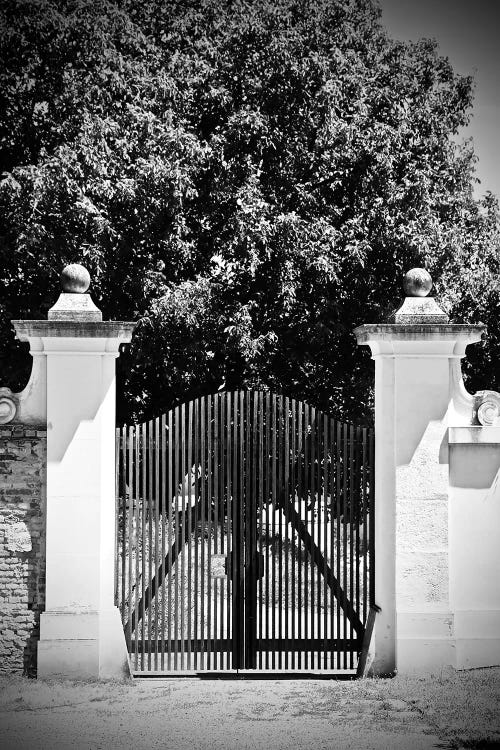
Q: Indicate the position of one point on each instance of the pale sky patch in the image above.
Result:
(468, 32)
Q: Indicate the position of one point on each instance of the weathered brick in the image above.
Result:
(22, 571)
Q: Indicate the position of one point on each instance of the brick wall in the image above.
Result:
(22, 545)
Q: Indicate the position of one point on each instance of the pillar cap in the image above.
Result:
(74, 304)
(418, 308)
(112, 329)
(417, 282)
(75, 279)
(421, 339)
(437, 332)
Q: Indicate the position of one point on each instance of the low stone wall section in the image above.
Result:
(22, 545)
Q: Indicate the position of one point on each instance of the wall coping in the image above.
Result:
(74, 329)
(418, 331)
(15, 430)
(474, 435)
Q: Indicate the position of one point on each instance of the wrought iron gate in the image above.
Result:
(245, 536)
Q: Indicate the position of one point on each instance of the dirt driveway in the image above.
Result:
(189, 714)
(448, 710)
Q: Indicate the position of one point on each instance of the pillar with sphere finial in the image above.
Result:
(417, 385)
(81, 634)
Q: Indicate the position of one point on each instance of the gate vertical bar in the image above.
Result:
(373, 500)
(117, 515)
(137, 535)
(130, 537)
(293, 478)
(182, 515)
(177, 538)
(306, 522)
(335, 536)
(234, 559)
(317, 536)
(327, 553)
(241, 541)
(286, 490)
(344, 530)
(318, 530)
(279, 511)
(351, 533)
(273, 519)
(251, 528)
(365, 525)
(155, 609)
(210, 639)
(150, 533)
(300, 550)
(260, 431)
(313, 525)
(170, 495)
(340, 539)
(229, 545)
(196, 538)
(268, 496)
(203, 461)
(222, 521)
(143, 479)
(357, 518)
(124, 519)
(163, 533)
(188, 481)
(216, 523)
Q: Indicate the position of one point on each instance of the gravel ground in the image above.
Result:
(191, 714)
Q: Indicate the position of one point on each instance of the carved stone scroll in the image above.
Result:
(487, 408)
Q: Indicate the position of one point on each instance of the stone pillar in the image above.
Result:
(418, 389)
(474, 540)
(81, 634)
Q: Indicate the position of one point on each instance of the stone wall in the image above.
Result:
(22, 545)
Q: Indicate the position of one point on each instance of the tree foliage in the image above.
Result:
(247, 179)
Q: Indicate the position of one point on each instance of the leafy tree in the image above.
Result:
(248, 179)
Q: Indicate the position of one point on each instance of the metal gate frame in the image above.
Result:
(255, 453)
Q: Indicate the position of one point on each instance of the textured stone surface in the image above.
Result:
(78, 307)
(109, 329)
(422, 524)
(420, 310)
(417, 283)
(75, 279)
(22, 545)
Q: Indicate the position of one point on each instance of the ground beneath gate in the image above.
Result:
(448, 711)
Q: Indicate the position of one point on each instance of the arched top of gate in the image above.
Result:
(252, 401)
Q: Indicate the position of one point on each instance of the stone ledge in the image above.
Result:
(474, 435)
(73, 329)
(18, 431)
(417, 331)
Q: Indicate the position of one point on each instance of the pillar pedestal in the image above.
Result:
(418, 388)
(81, 635)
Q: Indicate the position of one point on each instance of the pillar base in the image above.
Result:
(425, 642)
(477, 635)
(89, 645)
(432, 641)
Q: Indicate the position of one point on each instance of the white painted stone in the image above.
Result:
(81, 633)
(418, 389)
(474, 518)
(8, 406)
(31, 402)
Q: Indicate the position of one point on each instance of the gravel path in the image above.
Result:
(190, 714)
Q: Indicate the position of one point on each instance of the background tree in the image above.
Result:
(249, 179)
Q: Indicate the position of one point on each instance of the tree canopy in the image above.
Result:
(248, 179)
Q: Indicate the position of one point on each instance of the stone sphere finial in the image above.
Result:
(75, 279)
(417, 283)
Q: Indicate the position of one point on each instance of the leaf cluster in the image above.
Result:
(249, 180)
